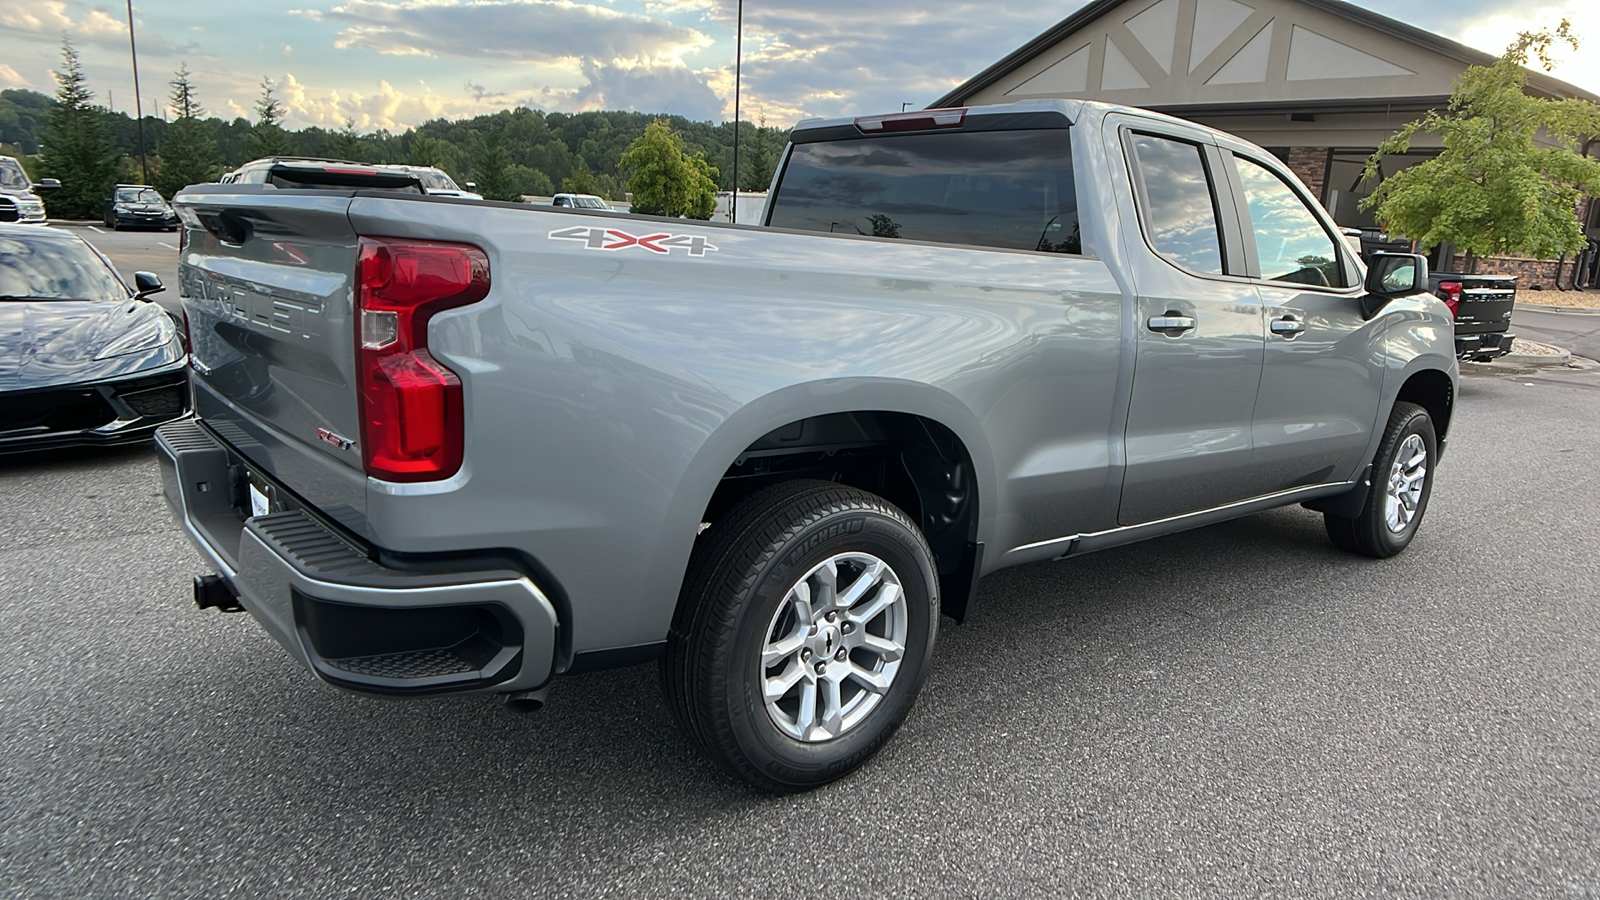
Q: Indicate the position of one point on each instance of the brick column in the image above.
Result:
(1311, 164)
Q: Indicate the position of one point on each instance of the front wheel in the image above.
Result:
(1402, 481)
(803, 633)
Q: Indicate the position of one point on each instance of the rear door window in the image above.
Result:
(1009, 189)
(1177, 205)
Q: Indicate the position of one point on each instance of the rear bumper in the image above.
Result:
(1484, 347)
(353, 621)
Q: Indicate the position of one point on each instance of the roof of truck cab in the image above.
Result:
(1068, 108)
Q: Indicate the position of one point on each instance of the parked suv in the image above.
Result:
(19, 201)
(579, 201)
(438, 183)
(138, 206)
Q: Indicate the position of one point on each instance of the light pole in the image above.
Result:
(738, 62)
(138, 107)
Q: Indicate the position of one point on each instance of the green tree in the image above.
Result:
(268, 138)
(759, 162)
(426, 151)
(348, 144)
(188, 155)
(582, 180)
(1496, 189)
(77, 146)
(667, 181)
(491, 168)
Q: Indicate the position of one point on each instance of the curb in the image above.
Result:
(1575, 310)
(1535, 359)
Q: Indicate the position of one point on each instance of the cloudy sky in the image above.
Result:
(395, 63)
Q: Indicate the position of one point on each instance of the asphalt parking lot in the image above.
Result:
(1235, 711)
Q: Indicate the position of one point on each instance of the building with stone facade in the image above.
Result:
(1320, 83)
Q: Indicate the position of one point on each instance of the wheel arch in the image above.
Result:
(1434, 391)
(832, 419)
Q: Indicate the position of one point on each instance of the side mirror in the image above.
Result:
(147, 283)
(471, 185)
(47, 184)
(1391, 275)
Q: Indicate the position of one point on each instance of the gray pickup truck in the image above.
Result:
(452, 446)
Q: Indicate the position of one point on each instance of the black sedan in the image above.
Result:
(84, 359)
(138, 206)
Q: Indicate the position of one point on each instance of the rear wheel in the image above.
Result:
(1402, 480)
(803, 634)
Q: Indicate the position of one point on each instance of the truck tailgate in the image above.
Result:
(1486, 303)
(266, 280)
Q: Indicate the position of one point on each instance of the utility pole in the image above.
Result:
(138, 104)
(738, 60)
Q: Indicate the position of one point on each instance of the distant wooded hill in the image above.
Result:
(547, 151)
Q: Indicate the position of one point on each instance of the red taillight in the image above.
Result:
(188, 337)
(921, 120)
(411, 419)
(1450, 293)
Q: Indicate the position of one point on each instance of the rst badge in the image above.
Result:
(336, 440)
(600, 238)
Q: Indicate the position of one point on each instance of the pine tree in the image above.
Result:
(426, 151)
(188, 155)
(268, 138)
(491, 168)
(77, 145)
(348, 144)
(760, 162)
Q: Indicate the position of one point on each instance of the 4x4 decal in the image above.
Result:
(599, 238)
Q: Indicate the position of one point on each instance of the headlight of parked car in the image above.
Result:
(140, 340)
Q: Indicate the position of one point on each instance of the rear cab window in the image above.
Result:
(1007, 189)
(1177, 203)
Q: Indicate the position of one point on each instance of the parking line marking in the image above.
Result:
(95, 230)
(167, 245)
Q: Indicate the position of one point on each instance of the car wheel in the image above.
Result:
(1402, 480)
(803, 633)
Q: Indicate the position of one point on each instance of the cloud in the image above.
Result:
(844, 57)
(384, 106)
(9, 77)
(481, 93)
(509, 29)
(649, 89)
(1494, 31)
(82, 24)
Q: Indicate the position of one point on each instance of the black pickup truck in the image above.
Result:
(1481, 305)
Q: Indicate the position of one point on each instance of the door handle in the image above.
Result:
(1170, 324)
(1288, 325)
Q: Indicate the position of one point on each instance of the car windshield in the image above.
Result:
(435, 180)
(138, 195)
(54, 268)
(12, 177)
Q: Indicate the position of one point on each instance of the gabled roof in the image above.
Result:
(1092, 11)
